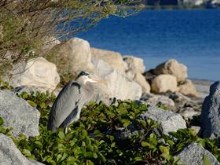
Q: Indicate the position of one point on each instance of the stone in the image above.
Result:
(121, 87)
(164, 83)
(10, 155)
(135, 68)
(169, 121)
(134, 64)
(179, 97)
(116, 84)
(114, 59)
(174, 68)
(189, 112)
(72, 56)
(37, 72)
(195, 129)
(139, 78)
(210, 119)
(18, 114)
(188, 89)
(194, 154)
(154, 100)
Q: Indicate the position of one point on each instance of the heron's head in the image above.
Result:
(86, 77)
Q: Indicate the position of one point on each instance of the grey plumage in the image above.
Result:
(69, 102)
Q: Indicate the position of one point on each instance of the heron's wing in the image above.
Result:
(65, 103)
(70, 118)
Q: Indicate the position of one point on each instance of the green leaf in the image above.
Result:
(1, 121)
(138, 158)
(38, 144)
(145, 144)
(43, 105)
(32, 103)
(89, 162)
(58, 157)
(125, 122)
(153, 139)
(26, 152)
(165, 152)
(61, 134)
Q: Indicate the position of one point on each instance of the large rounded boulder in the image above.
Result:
(164, 83)
(174, 68)
(71, 56)
(37, 72)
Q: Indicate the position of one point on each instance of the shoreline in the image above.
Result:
(202, 86)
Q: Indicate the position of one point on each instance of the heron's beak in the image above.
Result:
(94, 78)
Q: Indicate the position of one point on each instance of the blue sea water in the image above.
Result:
(190, 36)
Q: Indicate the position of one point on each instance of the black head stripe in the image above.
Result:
(82, 73)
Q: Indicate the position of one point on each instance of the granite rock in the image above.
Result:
(169, 121)
(194, 154)
(210, 119)
(10, 155)
(18, 114)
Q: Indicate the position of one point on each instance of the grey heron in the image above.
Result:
(69, 102)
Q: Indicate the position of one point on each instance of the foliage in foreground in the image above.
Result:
(105, 135)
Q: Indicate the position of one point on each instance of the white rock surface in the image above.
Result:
(172, 67)
(169, 121)
(114, 59)
(72, 56)
(37, 72)
(121, 87)
(140, 79)
(188, 88)
(135, 68)
(134, 64)
(117, 84)
(18, 114)
(164, 83)
(10, 155)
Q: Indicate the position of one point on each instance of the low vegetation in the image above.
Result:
(112, 134)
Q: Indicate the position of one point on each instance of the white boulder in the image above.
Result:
(188, 88)
(172, 67)
(36, 72)
(135, 68)
(134, 64)
(140, 79)
(117, 84)
(72, 56)
(164, 83)
(114, 59)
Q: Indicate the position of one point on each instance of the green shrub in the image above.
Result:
(97, 137)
